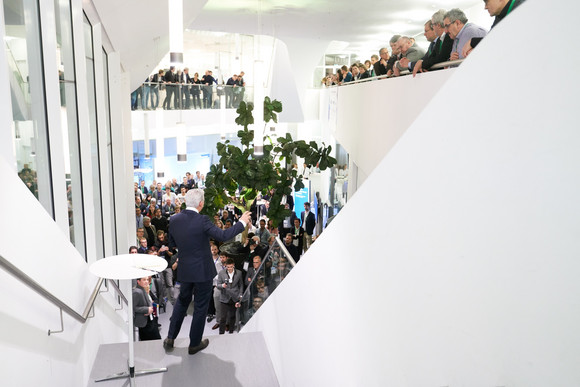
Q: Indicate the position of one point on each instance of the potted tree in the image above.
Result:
(239, 176)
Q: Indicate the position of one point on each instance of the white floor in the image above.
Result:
(232, 360)
(184, 333)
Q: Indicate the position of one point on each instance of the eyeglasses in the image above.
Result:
(447, 25)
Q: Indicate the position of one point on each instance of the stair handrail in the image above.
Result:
(31, 283)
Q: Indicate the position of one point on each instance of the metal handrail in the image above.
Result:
(404, 72)
(19, 274)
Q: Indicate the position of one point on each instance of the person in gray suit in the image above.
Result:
(230, 282)
(144, 312)
(410, 53)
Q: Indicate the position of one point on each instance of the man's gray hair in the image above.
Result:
(394, 39)
(384, 49)
(456, 14)
(194, 197)
(438, 17)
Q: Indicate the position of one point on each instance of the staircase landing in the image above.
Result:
(237, 360)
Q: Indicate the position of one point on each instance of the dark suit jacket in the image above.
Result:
(293, 250)
(379, 68)
(140, 307)
(498, 18)
(309, 223)
(283, 231)
(234, 290)
(440, 53)
(299, 237)
(190, 233)
(170, 77)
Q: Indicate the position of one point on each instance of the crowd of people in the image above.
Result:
(176, 89)
(252, 272)
(449, 33)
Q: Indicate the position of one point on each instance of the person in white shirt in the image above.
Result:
(169, 195)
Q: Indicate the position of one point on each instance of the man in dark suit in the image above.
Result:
(293, 250)
(231, 284)
(308, 223)
(440, 48)
(190, 233)
(170, 79)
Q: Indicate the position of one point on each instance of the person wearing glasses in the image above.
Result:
(456, 25)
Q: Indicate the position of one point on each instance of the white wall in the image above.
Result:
(371, 117)
(470, 276)
(33, 243)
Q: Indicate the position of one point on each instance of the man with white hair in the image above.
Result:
(410, 53)
(190, 233)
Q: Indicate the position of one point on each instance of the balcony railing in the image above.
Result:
(438, 66)
(187, 96)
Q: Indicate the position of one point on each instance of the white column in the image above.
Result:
(175, 31)
(258, 112)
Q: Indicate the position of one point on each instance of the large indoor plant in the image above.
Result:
(239, 176)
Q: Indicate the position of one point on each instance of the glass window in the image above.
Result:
(95, 156)
(69, 122)
(108, 196)
(24, 55)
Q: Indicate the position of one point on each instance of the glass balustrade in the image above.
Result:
(263, 279)
(183, 96)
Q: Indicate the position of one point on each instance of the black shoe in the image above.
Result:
(168, 344)
(210, 317)
(193, 350)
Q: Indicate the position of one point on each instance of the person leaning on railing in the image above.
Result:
(458, 28)
(409, 52)
(439, 50)
(156, 81)
(498, 8)
(196, 90)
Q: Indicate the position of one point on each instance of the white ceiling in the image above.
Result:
(138, 29)
(364, 25)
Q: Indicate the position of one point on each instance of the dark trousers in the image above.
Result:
(149, 331)
(229, 314)
(203, 292)
(187, 94)
(196, 101)
(211, 309)
(170, 90)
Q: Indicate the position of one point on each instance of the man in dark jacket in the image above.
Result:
(170, 87)
(498, 8)
(190, 233)
(231, 284)
(308, 223)
(145, 314)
